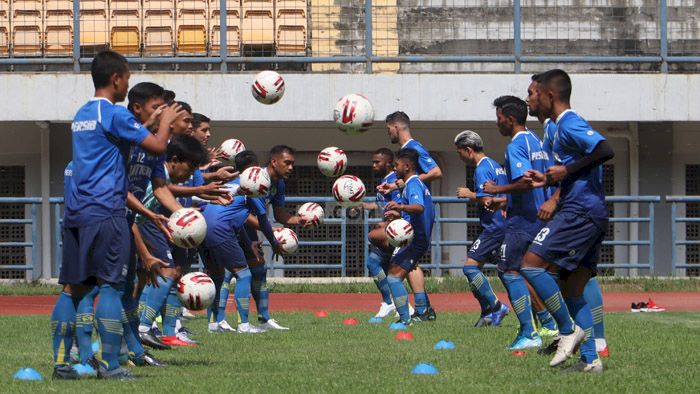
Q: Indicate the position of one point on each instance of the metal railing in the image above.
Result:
(371, 33)
(675, 202)
(342, 220)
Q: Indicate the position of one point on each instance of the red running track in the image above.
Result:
(312, 302)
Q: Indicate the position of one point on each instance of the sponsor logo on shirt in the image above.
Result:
(83, 125)
(500, 171)
(539, 155)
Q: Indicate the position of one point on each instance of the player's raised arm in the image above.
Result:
(158, 143)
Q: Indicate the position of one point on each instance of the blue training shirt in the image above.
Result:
(489, 170)
(67, 182)
(524, 153)
(415, 192)
(195, 180)
(276, 197)
(584, 194)
(143, 167)
(394, 195)
(547, 143)
(425, 161)
(102, 134)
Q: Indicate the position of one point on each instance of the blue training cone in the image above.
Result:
(424, 369)
(398, 326)
(28, 374)
(444, 345)
(376, 320)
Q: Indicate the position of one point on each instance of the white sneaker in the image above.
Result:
(187, 314)
(247, 328)
(226, 327)
(272, 325)
(220, 327)
(567, 344)
(185, 337)
(580, 366)
(385, 310)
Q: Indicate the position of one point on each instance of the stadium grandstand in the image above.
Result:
(635, 67)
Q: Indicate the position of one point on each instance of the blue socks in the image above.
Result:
(154, 301)
(223, 296)
(214, 312)
(594, 299)
(582, 315)
(62, 327)
(170, 312)
(261, 294)
(546, 320)
(108, 314)
(374, 266)
(400, 295)
(548, 289)
(481, 288)
(242, 293)
(520, 300)
(421, 300)
(84, 322)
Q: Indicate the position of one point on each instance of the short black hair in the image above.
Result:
(245, 159)
(279, 149)
(512, 106)
(198, 119)
(386, 152)
(168, 96)
(185, 106)
(188, 149)
(535, 77)
(104, 65)
(398, 117)
(410, 154)
(142, 92)
(558, 81)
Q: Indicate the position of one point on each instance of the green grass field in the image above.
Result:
(649, 353)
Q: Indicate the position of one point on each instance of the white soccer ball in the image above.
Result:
(196, 291)
(231, 148)
(353, 114)
(399, 233)
(312, 212)
(187, 227)
(287, 239)
(268, 87)
(348, 191)
(255, 182)
(332, 162)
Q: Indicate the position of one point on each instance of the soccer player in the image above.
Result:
(416, 207)
(228, 246)
(592, 292)
(486, 248)
(95, 230)
(577, 229)
(398, 126)
(523, 153)
(201, 130)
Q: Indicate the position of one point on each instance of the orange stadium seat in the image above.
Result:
(233, 27)
(191, 27)
(4, 28)
(158, 27)
(125, 26)
(291, 5)
(258, 26)
(291, 31)
(27, 27)
(58, 27)
(94, 27)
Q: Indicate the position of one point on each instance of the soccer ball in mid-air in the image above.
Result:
(231, 148)
(196, 291)
(348, 191)
(268, 87)
(332, 162)
(187, 227)
(399, 233)
(312, 212)
(287, 239)
(353, 114)
(255, 182)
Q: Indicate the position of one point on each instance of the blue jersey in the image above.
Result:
(102, 134)
(68, 182)
(425, 161)
(394, 195)
(195, 180)
(415, 192)
(276, 197)
(573, 139)
(524, 153)
(547, 144)
(143, 167)
(489, 170)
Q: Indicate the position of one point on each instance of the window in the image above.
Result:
(12, 185)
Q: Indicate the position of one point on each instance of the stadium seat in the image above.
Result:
(233, 27)
(291, 31)
(258, 25)
(158, 27)
(59, 33)
(291, 5)
(4, 28)
(125, 26)
(27, 27)
(94, 27)
(191, 27)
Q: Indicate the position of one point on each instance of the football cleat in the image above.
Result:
(566, 346)
(272, 325)
(247, 328)
(385, 310)
(118, 373)
(184, 336)
(147, 359)
(652, 307)
(521, 343)
(550, 349)
(173, 340)
(150, 340)
(65, 372)
(499, 314)
(428, 315)
(187, 314)
(484, 321)
(546, 332)
(581, 366)
(635, 308)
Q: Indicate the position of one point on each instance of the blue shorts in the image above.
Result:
(227, 254)
(569, 240)
(253, 236)
(513, 249)
(97, 251)
(157, 243)
(407, 257)
(486, 249)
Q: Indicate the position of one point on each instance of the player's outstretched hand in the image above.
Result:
(217, 154)
(490, 187)
(304, 223)
(153, 268)
(226, 174)
(162, 223)
(556, 174)
(464, 192)
(547, 210)
(392, 214)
